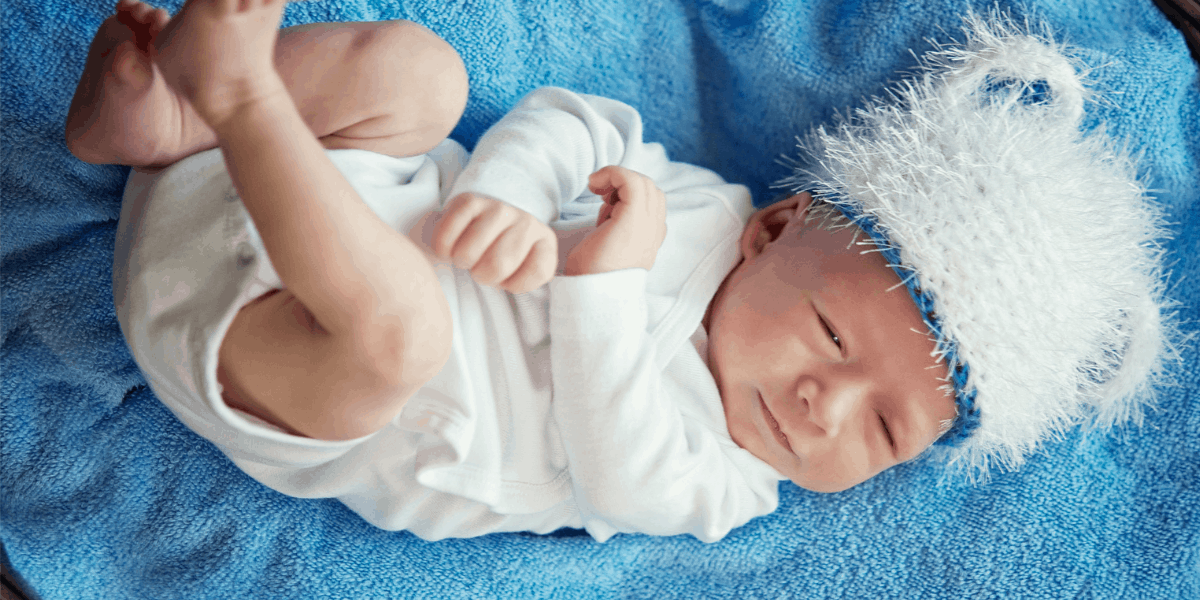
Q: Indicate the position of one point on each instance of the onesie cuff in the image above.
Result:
(602, 301)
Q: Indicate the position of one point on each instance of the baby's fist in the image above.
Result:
(630, 228)
(500, 244)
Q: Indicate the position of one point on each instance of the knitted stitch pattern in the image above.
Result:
(1030, 247)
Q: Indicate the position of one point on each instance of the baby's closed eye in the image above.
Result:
(303, 316)
(829, 331)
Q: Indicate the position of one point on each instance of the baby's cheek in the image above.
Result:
(739, 341)
(738, 422)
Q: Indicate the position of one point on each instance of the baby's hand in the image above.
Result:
(501, 245)
(631, 226)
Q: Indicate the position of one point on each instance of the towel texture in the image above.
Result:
(104, 494)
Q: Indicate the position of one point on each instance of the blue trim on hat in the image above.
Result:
(967, 419)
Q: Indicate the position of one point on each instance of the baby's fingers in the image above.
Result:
(612, 179)
(456, 216)
(481, 236)
(617, 184)
(538, 268)
(511, 253)
(501, 245)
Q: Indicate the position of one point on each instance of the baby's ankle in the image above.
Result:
(219, 55)
(242, 102)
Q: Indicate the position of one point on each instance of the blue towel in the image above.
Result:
(106, 495)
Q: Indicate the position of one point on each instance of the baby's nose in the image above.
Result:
(831, 405)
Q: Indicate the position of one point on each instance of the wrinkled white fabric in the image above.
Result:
(580, 404)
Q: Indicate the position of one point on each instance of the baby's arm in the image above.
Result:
(538, 158)
(638, 464)
(509, 248)
(636, 461)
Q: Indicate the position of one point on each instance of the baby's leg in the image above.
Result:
(391, 87)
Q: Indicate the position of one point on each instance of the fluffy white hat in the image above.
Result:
(1030, 247)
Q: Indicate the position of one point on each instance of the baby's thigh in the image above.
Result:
(392, 87)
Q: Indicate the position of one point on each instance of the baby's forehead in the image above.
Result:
(842, 253)
(843, 271)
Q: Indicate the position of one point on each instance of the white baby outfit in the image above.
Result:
(586, 403)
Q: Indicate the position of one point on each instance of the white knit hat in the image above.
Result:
(1031, 248)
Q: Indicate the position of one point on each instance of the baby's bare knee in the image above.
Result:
(429, 75)
(372, 397)
(427, 343)
(404, 356)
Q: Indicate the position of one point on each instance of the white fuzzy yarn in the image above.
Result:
(1036, 242)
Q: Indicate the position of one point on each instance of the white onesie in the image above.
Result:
(585, 403)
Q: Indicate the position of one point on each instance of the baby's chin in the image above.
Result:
(827, 485)
(824, 488)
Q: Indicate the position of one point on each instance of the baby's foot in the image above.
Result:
(123, 111)
(220, 54)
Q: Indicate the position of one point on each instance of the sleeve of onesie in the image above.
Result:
(538, 156)
(638, 464)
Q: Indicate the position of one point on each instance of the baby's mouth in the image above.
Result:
(774, 425)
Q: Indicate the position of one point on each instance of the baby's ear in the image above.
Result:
(766, 225)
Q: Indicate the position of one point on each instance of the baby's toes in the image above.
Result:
(158, 19)
(140, 11)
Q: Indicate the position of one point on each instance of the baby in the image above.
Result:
(575, 331)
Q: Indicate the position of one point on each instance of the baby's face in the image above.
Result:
(824, 373)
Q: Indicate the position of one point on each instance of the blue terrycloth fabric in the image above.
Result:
(106, 495)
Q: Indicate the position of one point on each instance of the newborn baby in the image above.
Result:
(575, 331)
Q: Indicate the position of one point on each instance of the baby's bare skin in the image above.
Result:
(828, 398)
(219, 60)
(123, 111)
(825, 367)
(156, 90)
